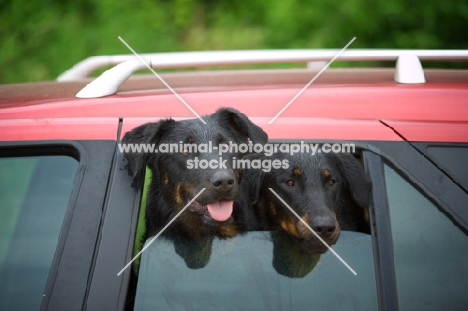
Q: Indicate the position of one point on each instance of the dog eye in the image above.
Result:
(290, 183)
(185, 152)
(331, 182)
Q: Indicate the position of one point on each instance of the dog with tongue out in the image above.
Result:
(193, 174)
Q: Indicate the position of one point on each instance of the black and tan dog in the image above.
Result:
(177, 179)
(328, 191)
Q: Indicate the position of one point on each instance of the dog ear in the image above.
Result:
(138, 159)
(357, 181)
(240, 124)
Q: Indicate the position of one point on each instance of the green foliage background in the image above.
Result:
(41, 39)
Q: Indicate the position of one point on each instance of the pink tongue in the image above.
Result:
(220, 210)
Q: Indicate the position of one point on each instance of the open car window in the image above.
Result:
(258, 271)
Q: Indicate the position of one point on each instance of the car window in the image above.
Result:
(429, 250)
(259, 271)
(34, 195)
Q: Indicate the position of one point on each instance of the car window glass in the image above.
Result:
(34, 194)
(258, 271)
(429, 250)
(453, 159)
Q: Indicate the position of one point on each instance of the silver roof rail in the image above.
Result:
(125, 65)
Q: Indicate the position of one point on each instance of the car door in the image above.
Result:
(420, 225)
(53, 194)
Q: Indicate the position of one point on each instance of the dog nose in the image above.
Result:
(324, 226)
(223, 181)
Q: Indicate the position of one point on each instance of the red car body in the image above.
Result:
(381, 110)
(394, 125)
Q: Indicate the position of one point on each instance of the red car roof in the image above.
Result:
(362, 111)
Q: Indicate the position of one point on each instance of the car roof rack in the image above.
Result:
(408, 66)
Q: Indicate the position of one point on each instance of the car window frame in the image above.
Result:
(423, 148)
(110, 291)
(107, 290)
(413, 166)
(429, 179)
(67, 281)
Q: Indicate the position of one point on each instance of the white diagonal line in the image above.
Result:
(160, 232)
(310, 82)
(311, 230)
(162, 80)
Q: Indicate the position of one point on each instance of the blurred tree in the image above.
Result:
(41, 39)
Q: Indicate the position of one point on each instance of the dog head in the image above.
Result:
(313, 186)
(188, 160)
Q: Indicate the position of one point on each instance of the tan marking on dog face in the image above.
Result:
(297, 171)
(180, 189)
(166, 179)
(336, 233)
(290, 227)
(303, 229)
(178, 195)
(272, 208)
(326, 173)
